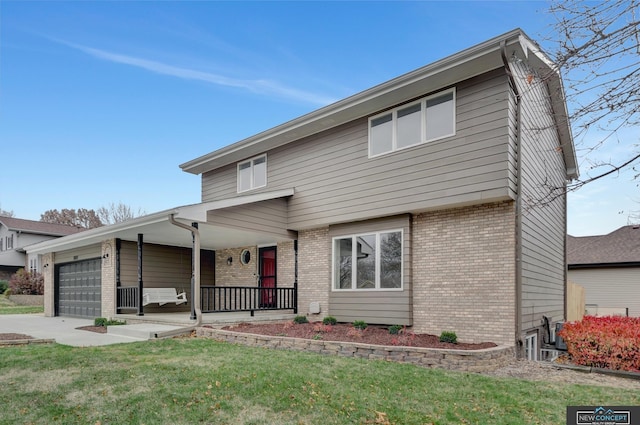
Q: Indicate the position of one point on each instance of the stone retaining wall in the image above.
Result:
(462, 360)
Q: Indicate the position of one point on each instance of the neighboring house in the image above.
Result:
(16, 234)
(423, 201)
(608, 267)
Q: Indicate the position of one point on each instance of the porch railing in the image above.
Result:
(218, 299)
(127, 297)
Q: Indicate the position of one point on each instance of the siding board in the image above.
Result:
(333, 176)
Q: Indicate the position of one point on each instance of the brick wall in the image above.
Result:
(48, 267)
(236, 273)
(464, 272)
(108, 278)
(313, 271)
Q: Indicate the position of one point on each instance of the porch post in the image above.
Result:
(140, 284)
(295, 276)
(195, 267)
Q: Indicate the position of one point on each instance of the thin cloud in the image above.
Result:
(265, 87)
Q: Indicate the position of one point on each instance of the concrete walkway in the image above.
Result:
(63, 330)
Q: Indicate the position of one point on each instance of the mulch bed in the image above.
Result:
(14, 337)
(377, 335)
(96, 329)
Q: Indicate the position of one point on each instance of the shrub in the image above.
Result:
(102, 321)
(449, 336)
(300, 319)
(360, 324)
(26, 283)
(4, 285)
(395, 329)
(7, 293)
(605, 342)
(329, 320)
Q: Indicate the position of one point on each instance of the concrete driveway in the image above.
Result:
(62, 329)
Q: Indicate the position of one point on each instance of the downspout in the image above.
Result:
(195, 269)
(518, 247)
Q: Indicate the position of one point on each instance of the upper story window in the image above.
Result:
(9, 242)
(430, 118)
(370, 261)
(252, 173)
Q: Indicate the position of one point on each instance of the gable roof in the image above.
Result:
(38, 227)
(619, 246)
(468, 63)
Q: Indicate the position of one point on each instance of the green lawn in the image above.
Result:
(8, 307)
(200, 381)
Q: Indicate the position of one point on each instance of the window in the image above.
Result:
(428, 119)
(252, 174)
(368, 261)
(9, 242)
(531, 347)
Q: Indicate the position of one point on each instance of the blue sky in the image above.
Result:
(101, 101)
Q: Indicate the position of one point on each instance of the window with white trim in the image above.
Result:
(531, 347)
(252, 174)
(369, 261)
(430, 118)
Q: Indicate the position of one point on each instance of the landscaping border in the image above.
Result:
(484, 360)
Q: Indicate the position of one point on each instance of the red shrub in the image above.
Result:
(26, 283)
(611, 342)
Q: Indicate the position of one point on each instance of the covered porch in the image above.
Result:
(232, 260)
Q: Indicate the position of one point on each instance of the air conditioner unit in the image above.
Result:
(560, 344)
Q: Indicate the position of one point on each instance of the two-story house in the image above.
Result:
(16, 234)
(434, 200)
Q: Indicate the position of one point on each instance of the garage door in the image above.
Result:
(78, 289)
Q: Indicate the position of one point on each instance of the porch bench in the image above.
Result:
(163, 296)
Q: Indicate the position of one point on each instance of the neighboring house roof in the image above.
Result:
(38, 227)
(473, 61)
(619, 247)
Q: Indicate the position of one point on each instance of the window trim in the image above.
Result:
(377, 233)
(423, 122)
(531, 346)
(251, 162)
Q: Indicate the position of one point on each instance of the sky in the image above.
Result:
(100, 102)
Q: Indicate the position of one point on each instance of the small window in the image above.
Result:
(368, 261)
(245, 256)
(252, 174)
(430, 118)
(531, 347)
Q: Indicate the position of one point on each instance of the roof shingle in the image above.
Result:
(38, 227)
(620, 246)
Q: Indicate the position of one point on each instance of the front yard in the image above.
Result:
(9, 307)
(194, 380)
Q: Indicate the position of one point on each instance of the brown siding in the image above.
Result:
(79, 254)
(335, 181)
(265, 217)
(375, 307)
(543, 209)
(164, 267)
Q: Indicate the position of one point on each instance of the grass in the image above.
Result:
(9, 307)
(200, 381)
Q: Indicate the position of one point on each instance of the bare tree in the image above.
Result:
(117, 213)
(597, 49)
(82, 217)
(6, 213)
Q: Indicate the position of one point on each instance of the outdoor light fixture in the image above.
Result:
(229, 261)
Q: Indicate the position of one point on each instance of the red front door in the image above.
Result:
(267, 265)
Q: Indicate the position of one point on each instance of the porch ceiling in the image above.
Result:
(156, 228)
